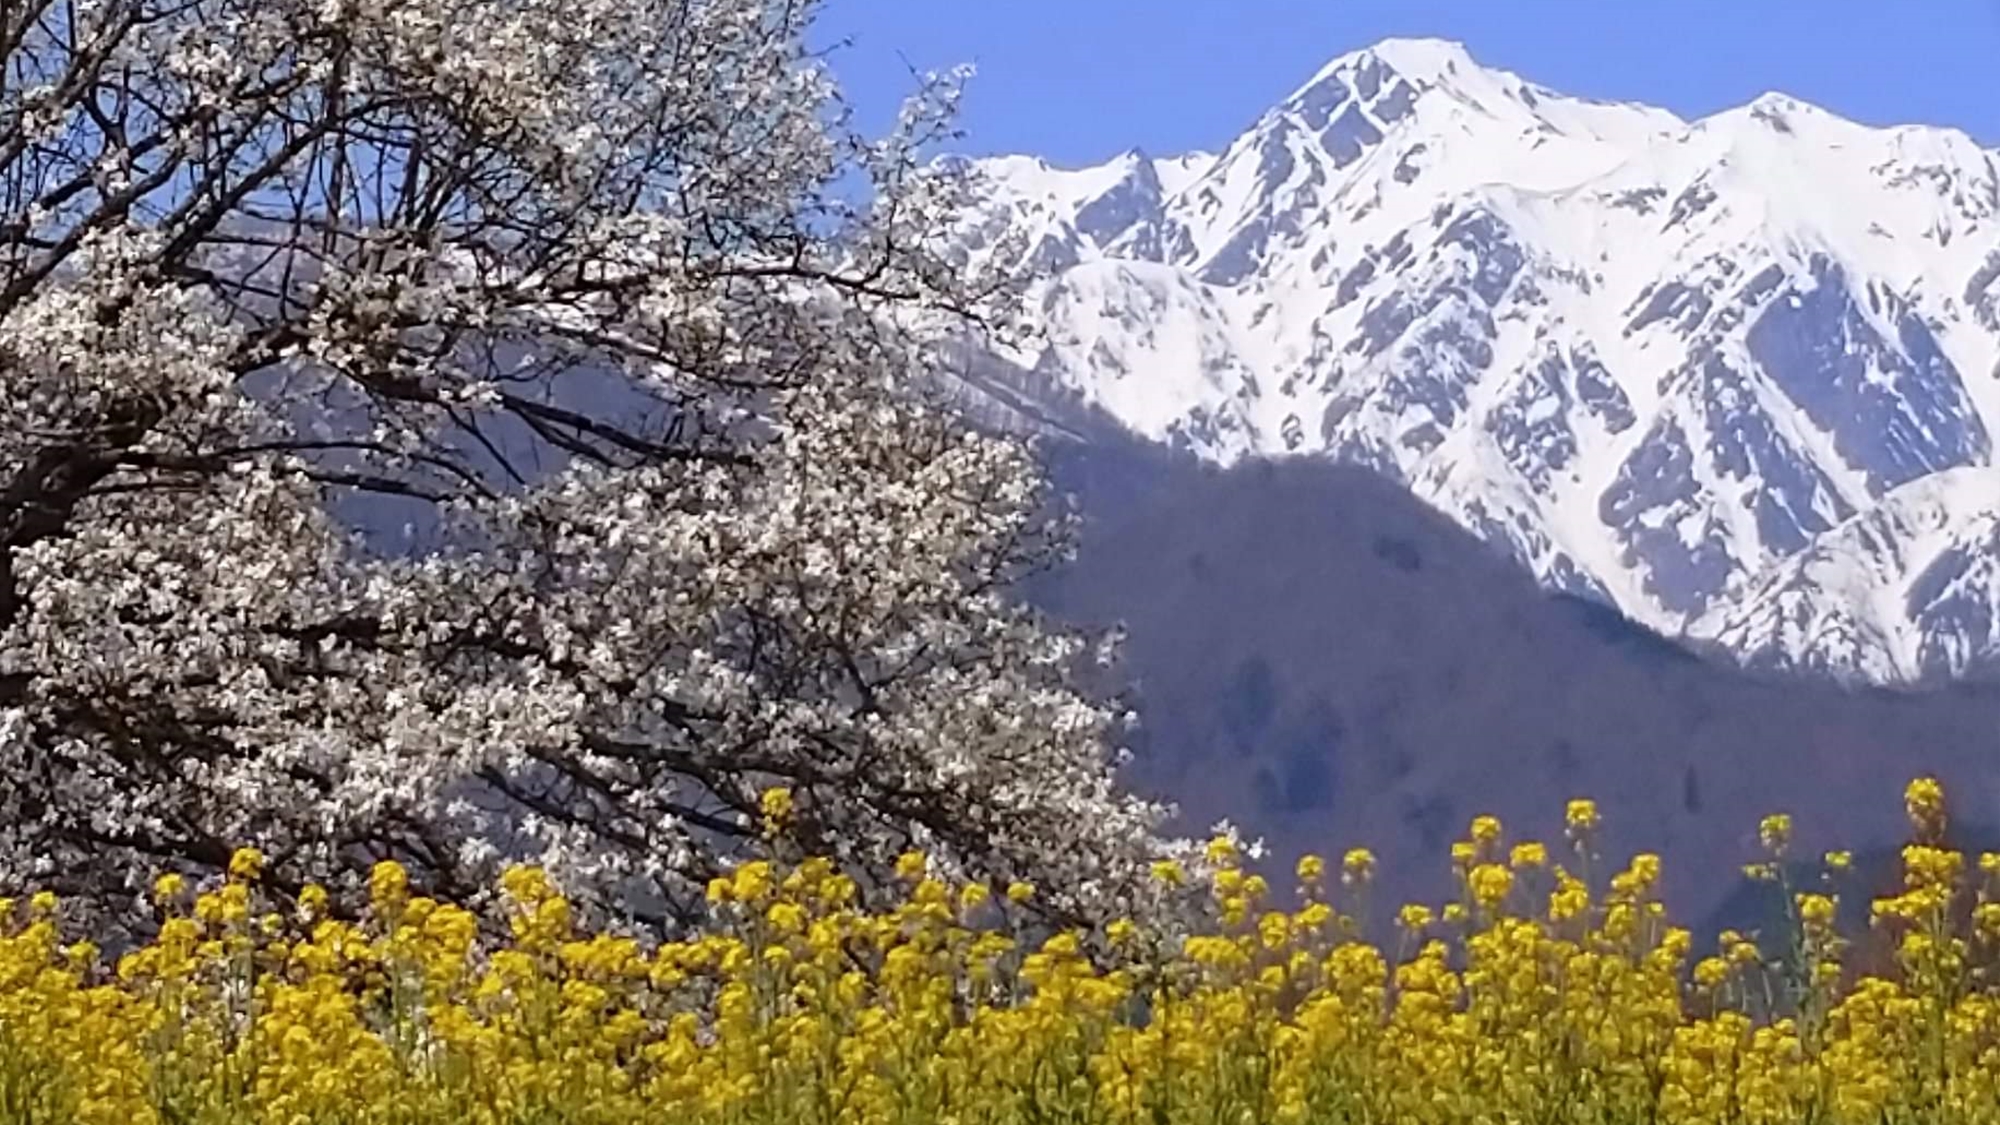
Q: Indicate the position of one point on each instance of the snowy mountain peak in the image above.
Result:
(1421, 59)
(1664, 364)
(1397, 69)
(1393, 77)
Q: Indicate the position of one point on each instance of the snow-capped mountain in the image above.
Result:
(1736, 376)
(1907, 590)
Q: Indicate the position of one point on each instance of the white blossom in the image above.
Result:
(465, 432)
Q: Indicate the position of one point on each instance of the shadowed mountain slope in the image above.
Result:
(1327, 662)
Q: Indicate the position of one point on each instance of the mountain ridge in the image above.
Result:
(1653, 360)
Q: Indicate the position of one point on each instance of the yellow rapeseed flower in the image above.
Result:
(388, 884)
(791, 1001)
(753, 882)
(1310, 869)
(1491, 883)
(1923, 801)
(1357, 866)
(1580, 817)
(1815, 910)
(776, 804)
(1775, 833)
(246, 865)
(1711, 972)
(1986, 918)
(972, 896)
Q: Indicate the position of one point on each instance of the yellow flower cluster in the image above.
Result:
(1536, 995)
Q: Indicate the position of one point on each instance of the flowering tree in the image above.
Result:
(462, 430)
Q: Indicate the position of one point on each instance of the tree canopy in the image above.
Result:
(459, 431)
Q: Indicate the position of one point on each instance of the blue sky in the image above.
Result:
(1081, 80)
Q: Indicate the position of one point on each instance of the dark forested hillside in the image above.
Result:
(1328, 663)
